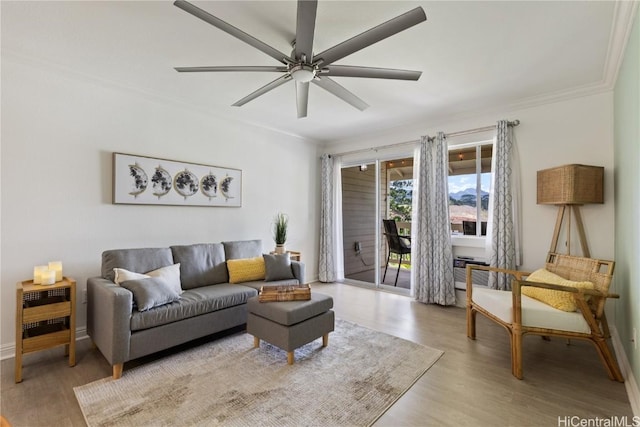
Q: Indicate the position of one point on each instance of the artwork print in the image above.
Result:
(141, 180)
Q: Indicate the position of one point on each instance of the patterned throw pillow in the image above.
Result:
(246, 269)
(557, 299)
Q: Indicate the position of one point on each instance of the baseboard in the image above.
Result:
(8, 351)
(630, 382)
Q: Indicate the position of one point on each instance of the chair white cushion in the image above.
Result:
(534, 313)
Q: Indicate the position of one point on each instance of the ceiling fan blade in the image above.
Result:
(230, 29)
(339, 91)
(369, 72)
(302, 98)
(230, 68)
(264, 89)
(305, 27)
(369, 37)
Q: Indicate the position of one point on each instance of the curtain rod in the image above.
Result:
(451, 134)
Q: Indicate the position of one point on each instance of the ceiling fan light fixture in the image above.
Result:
(302, 73)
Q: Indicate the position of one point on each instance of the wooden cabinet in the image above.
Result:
(293, 255)
(45, 318)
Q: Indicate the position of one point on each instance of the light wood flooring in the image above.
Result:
(368, 276)
(471, 384)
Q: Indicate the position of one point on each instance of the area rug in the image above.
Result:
(352, 382)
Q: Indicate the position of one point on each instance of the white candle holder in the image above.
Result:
(57, 267)
(48, 277)
(37, 274)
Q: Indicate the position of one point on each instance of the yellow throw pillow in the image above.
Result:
(246, 269)
(557, 299)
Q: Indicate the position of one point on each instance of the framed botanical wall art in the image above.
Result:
(140, 180)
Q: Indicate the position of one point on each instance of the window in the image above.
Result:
(469, 184)
(400, 189)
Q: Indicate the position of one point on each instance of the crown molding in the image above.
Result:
(623, 17)
(448, 118)
(621, 27)
(64, 71)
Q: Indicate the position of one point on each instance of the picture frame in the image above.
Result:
(142, 180)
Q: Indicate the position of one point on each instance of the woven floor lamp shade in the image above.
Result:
(569, 186)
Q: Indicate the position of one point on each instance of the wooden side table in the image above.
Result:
(294, 255)
(45, 318)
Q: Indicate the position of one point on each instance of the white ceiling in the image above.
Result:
(473, 55)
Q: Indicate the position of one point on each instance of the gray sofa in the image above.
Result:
(207, 304)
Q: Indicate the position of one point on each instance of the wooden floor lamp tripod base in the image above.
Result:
(562, 209)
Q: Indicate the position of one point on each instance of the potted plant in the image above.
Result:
(280, 224)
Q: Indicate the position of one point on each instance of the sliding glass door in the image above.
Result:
(374, 191)
(359, 221)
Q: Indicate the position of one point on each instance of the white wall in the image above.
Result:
(627, 158)
(574, 131)
(58, 134)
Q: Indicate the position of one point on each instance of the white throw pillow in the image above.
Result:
(170, 273)
(123, 275)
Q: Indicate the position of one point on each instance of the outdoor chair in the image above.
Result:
(583, 282)
(469, 228)
(399, 245)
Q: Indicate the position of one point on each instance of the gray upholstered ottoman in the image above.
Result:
(291, 324)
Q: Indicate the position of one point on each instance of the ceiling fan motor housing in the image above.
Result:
(303, 73)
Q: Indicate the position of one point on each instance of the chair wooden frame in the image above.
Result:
(590, 303)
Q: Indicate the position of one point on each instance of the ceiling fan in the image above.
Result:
(302, 65)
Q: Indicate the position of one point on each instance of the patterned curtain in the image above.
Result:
(326, 264)
(503, 209)
(431, 255)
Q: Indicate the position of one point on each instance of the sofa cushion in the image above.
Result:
(289, 313)
(192, 302)
(534, 313)
(138, 260)
(151, 292)
(201, 264)
(242, 249)
(246, 269)
(277, 267)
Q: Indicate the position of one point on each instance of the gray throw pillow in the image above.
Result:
(151, 292)
(277, 267)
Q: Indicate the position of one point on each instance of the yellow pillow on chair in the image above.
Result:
(557, 299)
(246, 269)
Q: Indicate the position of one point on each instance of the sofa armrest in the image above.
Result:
(109, 309)
(298, 271)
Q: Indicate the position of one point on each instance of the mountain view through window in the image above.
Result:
(469, 185)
